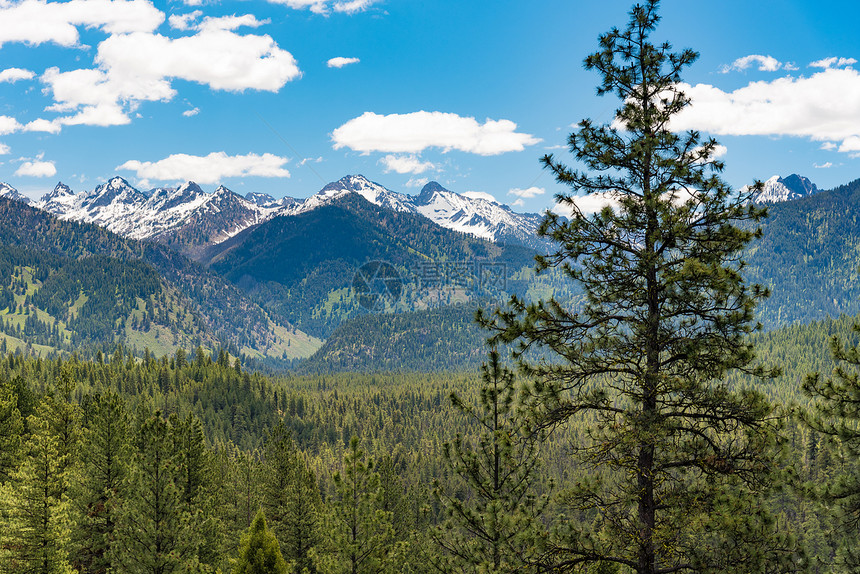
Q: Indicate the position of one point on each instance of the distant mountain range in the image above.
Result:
(189, 219)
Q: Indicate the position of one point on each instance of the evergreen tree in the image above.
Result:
(837, 414)
(259, 552)
(154, 534)
(290, 497)
(356, 534)
(11, 430)
(495, 526)
(39, 528)
(96, 490)
(677, 459)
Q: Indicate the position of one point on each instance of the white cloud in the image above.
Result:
(36, 169)
(139, 67)
(480, 195)
(822, 107)
(518, 203)
(588, 204)
(833, 63)
(765, 64)
(215, 57)
(824, 165)
(311, 160)
(353, 6)
(12, 75)
(37, 21)
(43, 125)
(417, 182)
(189, 22)
(527, 193)
(326, 6)
(417, 131)
(4, 149)
(340, 62)
(191, 112)
(8, 125)
(212, 168)
(405, 164)
(184, 21)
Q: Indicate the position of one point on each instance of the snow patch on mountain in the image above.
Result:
(10, 192)
(474, 214)
(778, 189)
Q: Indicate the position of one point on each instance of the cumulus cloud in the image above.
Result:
(37, 22)
(417, 182)
(327, 6)
(139, 67)
(405, 164)
(588, 204)
(833, 63)
(518, 203)
(189, 22)
(480, 195)
(184, 21)
(340, 62)
(12, 75)
(43, 125)
(4, 149)
(191, 112)
(417, 131)
(36, 168)
(765, 64)
(823, 107)
(353, 6)
(8, 125)
(211, 168)
(825, 165)
(527, 193)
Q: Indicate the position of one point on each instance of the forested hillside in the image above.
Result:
(809, 256)
(92, 286)
(219, 430)
(302, 267)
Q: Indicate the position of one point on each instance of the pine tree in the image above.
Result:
(153, 531)
(836, 415)
(356, 534)
(96, 489)
(11, 430)
(259, 552)
(39, 529)
(290, 497)
(494, 527)
(678, 460)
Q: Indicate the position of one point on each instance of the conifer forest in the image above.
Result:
(647, 398)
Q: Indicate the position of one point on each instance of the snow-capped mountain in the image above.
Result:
(476, 216)
(778, 189)
(186, 215)
(10, 192)
(190, 219)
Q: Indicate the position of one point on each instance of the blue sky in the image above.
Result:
(249, 94)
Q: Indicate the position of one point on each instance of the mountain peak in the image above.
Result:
(778, 189)
(190, 187)
(350, 183)
(7, 190)
(429, 191)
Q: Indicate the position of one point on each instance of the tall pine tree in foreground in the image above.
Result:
(837, 414)
(677, 461)
(494, 527)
